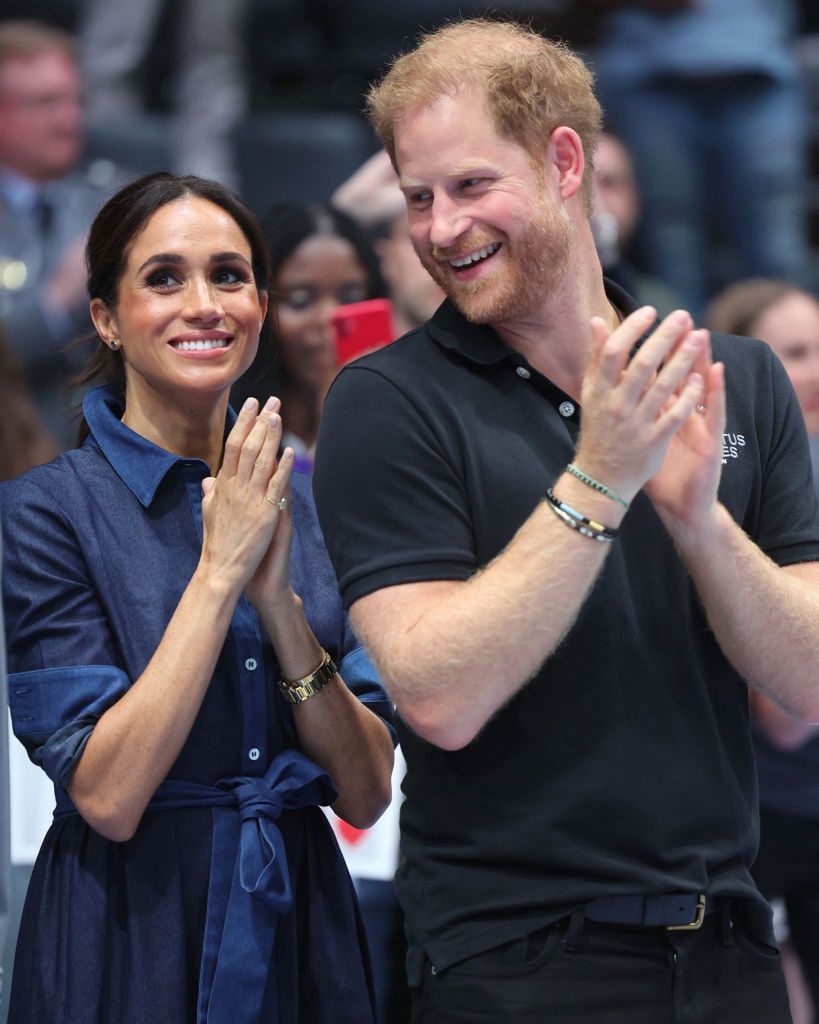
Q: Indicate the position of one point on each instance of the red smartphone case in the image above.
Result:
(362, 327)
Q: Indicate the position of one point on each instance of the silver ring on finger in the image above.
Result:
(281, 504)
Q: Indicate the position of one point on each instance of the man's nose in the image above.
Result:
(449, 222)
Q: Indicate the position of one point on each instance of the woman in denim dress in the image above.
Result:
(181, 666)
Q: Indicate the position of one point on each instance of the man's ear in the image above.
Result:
(564, 154)
(104, 320)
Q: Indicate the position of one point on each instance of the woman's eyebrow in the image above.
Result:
(162, 257)
(222, 257)
(176, 260)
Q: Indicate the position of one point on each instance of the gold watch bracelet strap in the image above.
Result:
(299, 690)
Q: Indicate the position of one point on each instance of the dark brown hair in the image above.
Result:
(116, 226)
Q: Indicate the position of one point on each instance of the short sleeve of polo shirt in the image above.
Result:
(787, 526)
(62, 659)
(391, 504)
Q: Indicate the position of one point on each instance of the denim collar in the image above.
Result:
(139, 463)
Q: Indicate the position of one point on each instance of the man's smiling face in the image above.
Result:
(482, 218)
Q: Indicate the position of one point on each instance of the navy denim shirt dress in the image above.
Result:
(232, 901)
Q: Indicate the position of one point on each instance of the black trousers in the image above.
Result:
(608, 974)
(788, 867)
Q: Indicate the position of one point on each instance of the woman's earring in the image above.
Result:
(114, 343)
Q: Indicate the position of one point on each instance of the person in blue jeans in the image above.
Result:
(180, 664)
(708, 99)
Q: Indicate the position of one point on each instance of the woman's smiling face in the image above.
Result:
(188, 311)
(322, 273)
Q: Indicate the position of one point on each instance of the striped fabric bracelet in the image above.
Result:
(595, 485)
(577, 521)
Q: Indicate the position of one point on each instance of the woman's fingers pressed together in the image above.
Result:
(235, 439)
(254, 440)
(278, 486)
(265, 464)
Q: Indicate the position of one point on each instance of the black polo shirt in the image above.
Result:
(625, 766)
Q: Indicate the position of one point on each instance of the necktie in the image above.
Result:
(43, 211)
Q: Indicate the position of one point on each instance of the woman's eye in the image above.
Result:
(162, 279)
(299, 298)
(352, 293)
(229, 275)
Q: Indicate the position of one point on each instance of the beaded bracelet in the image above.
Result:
(577, 521)
(596, 485)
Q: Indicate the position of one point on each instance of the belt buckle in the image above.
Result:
(699, 917)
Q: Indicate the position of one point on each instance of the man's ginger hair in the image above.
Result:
(531, 85)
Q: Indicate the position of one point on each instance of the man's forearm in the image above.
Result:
(765, 618)
(468, 648)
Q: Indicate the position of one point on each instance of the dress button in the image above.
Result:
(250, 664)
(253, 753)
(521, 371)
(566, 408)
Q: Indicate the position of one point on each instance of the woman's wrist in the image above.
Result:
(283, 608)
(298, 652)
(215, 583)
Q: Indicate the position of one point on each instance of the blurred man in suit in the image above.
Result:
(46, 205)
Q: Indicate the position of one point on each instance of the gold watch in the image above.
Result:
(299, 690)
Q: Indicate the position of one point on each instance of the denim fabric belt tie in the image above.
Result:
(249, 878)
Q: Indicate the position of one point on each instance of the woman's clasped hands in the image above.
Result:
(245, 510)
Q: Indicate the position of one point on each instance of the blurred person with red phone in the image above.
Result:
(321, 260)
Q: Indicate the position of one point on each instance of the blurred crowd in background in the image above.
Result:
(706, 197)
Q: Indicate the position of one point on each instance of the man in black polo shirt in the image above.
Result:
(565, 606)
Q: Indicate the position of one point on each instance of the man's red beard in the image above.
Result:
(531, 269)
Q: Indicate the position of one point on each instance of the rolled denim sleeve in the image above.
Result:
(361, 677)
(62, 659)
(54, 710)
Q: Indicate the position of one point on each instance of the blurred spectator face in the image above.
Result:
(791, 327)
(415, 295)
(322, 273)
(40, 115)
(615, 189)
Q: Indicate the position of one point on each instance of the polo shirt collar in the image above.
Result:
(480, 344)
(138, 462)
